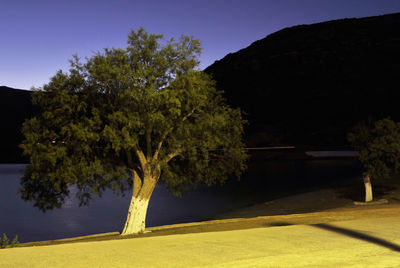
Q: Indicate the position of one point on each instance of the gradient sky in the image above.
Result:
(38, 37)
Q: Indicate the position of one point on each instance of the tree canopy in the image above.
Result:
(128, 116)
(378, 144)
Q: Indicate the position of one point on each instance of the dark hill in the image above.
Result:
(309, 84)
(15, 107)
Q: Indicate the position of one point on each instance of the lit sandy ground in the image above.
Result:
(373, 242)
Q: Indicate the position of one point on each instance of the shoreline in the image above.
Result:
(313, 207)
(311, 218)
(312, 200)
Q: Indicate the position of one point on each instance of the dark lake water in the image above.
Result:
(264, 181)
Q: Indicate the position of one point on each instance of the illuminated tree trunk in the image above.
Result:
(368, 187)
(136, 219)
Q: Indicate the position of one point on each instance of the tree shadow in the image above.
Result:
(359, 235)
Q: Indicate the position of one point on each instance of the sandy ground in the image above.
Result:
(366, 242)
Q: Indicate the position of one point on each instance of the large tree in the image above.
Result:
(130, 117)
(378, 143)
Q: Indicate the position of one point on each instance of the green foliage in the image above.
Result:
(4, 242)
(378, 144)
(15, 242)
(147, 99)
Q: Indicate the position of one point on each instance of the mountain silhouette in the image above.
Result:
(308, 85)
(15, 107)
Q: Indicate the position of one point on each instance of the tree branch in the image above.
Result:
(157, 152)
(170, 156)
(141, 156)
(148, 141)
(137, 183)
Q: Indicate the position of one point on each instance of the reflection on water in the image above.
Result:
(264, 181)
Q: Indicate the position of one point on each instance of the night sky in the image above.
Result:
(39, 37)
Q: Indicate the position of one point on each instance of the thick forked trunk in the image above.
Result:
(142, 190)
(368, 187)
(136, 219)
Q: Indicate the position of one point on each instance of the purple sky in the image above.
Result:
(38, 37)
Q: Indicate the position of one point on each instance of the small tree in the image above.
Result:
(4, 241)
(130, 117)
(15, 242)
(378, 144)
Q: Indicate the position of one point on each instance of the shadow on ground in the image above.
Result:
(347, 232)
(358, 235)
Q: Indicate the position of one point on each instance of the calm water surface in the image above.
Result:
(264, 181)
